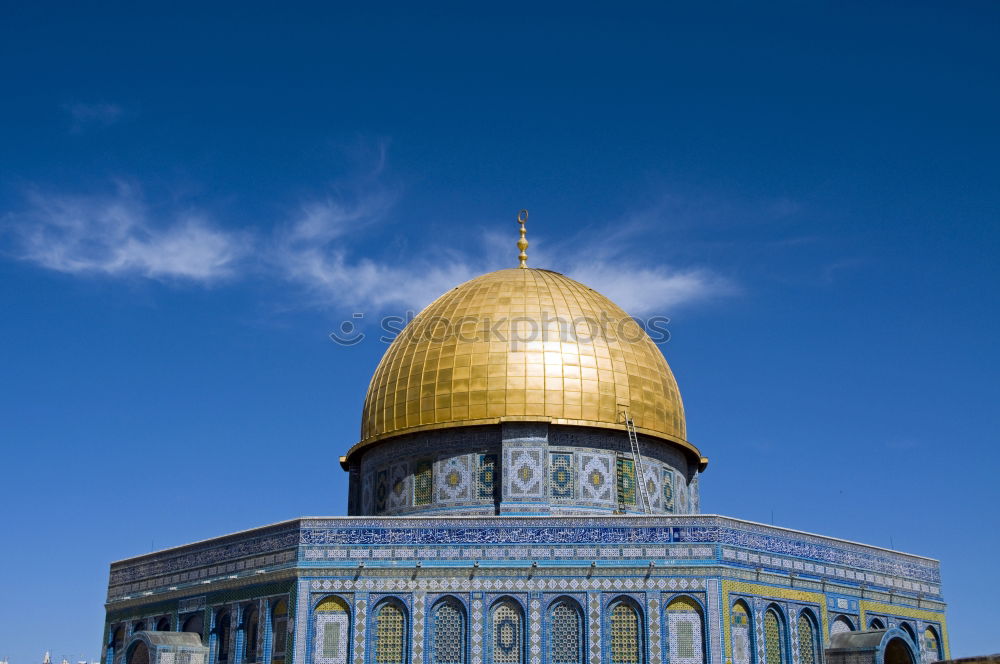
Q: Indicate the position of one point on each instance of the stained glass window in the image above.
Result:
(626, 481)
(448, 639)
(772, 638)
(423, 483)
(807, 641)
(390, 632)
(565, 638)
(668, 490)
(486, 476)
(561, 475)
(507, 648)
(625, 646)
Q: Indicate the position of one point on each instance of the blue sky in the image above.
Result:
(190, 202)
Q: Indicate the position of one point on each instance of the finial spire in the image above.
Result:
(522, 244)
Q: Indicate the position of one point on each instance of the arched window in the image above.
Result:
(684, 631)
(626, 482)
(739, 629)
(138, 654)
(423, 482)
(507, 633)
(251, 631)
(931, 646)
(195, 623)
(840, 625)
(332, 627)
(222, 632)
(448, 632)
(626, 634)
(565, 632)
(876, 623)
(279, 631)
(774, 637)
(138, 627)
(808, 647)
(390, 634)
(163, 624)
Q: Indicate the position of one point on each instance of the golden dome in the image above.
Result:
(522, 345)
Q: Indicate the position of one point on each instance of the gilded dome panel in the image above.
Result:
(522, 344)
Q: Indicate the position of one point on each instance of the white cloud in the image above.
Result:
(310, 253)
(333, 281)
(117, 235)
(643, 291)
(114, 235)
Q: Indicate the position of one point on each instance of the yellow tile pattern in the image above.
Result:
(762, 590)
(479, 353)
(907, 612)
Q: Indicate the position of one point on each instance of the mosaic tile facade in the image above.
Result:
(543, 470)
(524, 473)
(704, 567)
(454, 480)
(597, 478)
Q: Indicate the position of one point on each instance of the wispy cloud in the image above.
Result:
(642, 290)
(622, 262)
(100, 114)
(312, 252)
(115, 235)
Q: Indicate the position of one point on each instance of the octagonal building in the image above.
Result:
(523, 491)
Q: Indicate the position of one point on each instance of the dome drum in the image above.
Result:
(521, 468)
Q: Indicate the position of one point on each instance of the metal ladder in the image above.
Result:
(640, 479)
